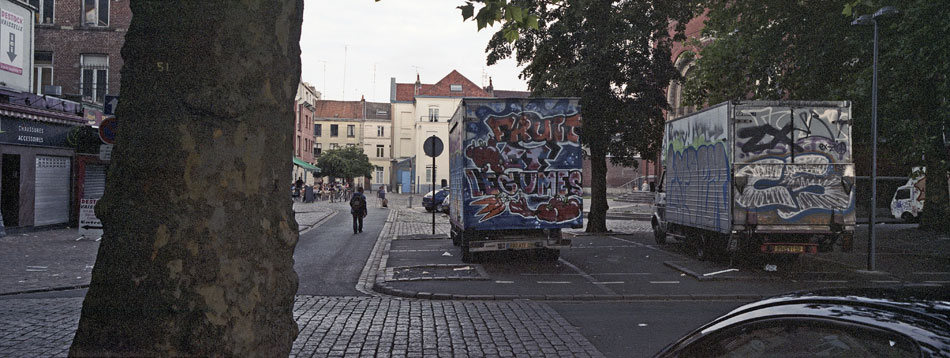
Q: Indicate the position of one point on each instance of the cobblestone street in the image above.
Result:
(347, 327)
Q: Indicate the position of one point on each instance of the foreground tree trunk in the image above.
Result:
(197, 255)
(937, 205)
(597, 218)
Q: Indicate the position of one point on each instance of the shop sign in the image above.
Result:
(25, 132)
(89, 224)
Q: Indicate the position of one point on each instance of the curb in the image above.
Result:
(701, 278)
(41, 290)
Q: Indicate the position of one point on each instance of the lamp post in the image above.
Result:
(872, 20)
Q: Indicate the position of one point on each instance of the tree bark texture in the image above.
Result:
(199, 232)
(597, 218)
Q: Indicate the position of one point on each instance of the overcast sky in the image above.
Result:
(399, 38)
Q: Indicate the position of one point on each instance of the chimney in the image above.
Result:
(392, 89)
(490, 89)
(363, 105)
(417, 86)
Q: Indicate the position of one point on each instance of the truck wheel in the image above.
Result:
(548, 255)
(658, 234)
(907, 217)
(456, 237)
(701, 247)
(468, 256)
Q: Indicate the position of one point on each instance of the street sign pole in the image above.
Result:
(433, 194)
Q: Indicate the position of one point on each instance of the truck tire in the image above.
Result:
(456, 237)
(548, 255)
(468, 256)
(701, 247)
(907, 217)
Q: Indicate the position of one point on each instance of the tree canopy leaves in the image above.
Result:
(347, 162)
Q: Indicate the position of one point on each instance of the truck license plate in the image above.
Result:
(520, 245)
(788, 249)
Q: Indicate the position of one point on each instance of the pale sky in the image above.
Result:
(395, 36)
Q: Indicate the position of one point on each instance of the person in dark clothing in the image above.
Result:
(299, 189)
(358, 209)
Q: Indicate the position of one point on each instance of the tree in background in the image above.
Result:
(196, 258)
(775, 49)
(347, 163)
(614, 55)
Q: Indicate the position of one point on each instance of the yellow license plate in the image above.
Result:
(788, 249)
(520, 245)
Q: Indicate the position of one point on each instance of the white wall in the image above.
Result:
(17, 73)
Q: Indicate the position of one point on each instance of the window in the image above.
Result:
(379, 175)
(433, 114)
(428, 178)
(455, 88)
(95, 77)
(902, 194)
(44, 11)
(42, 70)
(350, 145)
(317, 149)
(318, 129)
(298, 146)
(334, 146)
(96, 12)
(334, 130)
(351, 130)
(380, 151)
(380, 131)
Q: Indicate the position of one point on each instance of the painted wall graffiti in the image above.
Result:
(698, 167)
(522, 163)
(795, 163)
(769, 131)
(813, 185)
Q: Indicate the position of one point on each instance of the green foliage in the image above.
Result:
(348, 162)
(615, 56)
(808, 50)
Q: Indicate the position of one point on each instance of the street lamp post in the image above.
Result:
(872, 20)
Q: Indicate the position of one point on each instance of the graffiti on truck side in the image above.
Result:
(770, 131)
(813, 186)
(698, 192)
(523, 161)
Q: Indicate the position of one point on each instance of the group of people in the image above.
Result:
(306, 193)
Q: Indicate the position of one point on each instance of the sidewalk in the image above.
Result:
(59, 259)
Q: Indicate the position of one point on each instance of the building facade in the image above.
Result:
(367, 125)
(77, 48)
(303, 137)
(421, 111)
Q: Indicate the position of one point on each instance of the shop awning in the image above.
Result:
(300, 163)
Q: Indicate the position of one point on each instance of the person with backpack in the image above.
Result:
(358, 209)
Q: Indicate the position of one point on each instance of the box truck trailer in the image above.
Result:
(515, 175)
(773, 177)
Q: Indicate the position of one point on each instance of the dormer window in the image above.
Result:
(455, 88)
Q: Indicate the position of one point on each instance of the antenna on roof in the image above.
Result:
(417, 68)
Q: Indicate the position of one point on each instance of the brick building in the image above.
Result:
(77, 48)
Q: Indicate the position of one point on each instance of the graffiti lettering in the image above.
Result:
(521, 128)
(794, 190)
(699, 186)
(513, 182)
(757, 134)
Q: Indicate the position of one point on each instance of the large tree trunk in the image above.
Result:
(197, 254)
(937, 203)
(597, 219)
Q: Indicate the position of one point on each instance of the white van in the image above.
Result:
(908, 200)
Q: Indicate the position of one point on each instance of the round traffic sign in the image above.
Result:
(107, 130)
(432, 146)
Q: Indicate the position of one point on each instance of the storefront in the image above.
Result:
(37, 165)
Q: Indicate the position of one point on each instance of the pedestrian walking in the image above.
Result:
(381, 195)
(299, 188)
(358, 209)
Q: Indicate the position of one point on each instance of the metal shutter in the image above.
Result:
(94, 183)
(52, 190)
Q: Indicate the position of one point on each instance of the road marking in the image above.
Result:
(936, 281)
(831, 281)
(586, 276)
(664, 282)
(623, 274)
(608, 283)
(504, 281)
(888, 281)
(554, 281)
(420, 250)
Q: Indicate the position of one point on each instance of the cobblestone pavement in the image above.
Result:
(348, 327)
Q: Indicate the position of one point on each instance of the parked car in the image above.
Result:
(443, 207)
(434, 198)
(871, 322)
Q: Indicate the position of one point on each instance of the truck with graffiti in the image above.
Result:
(515, 175)
(771, 177)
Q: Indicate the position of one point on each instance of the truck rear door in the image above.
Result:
(793, 167)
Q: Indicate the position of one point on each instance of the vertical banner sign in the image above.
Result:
(89, 224)
(11, 42)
